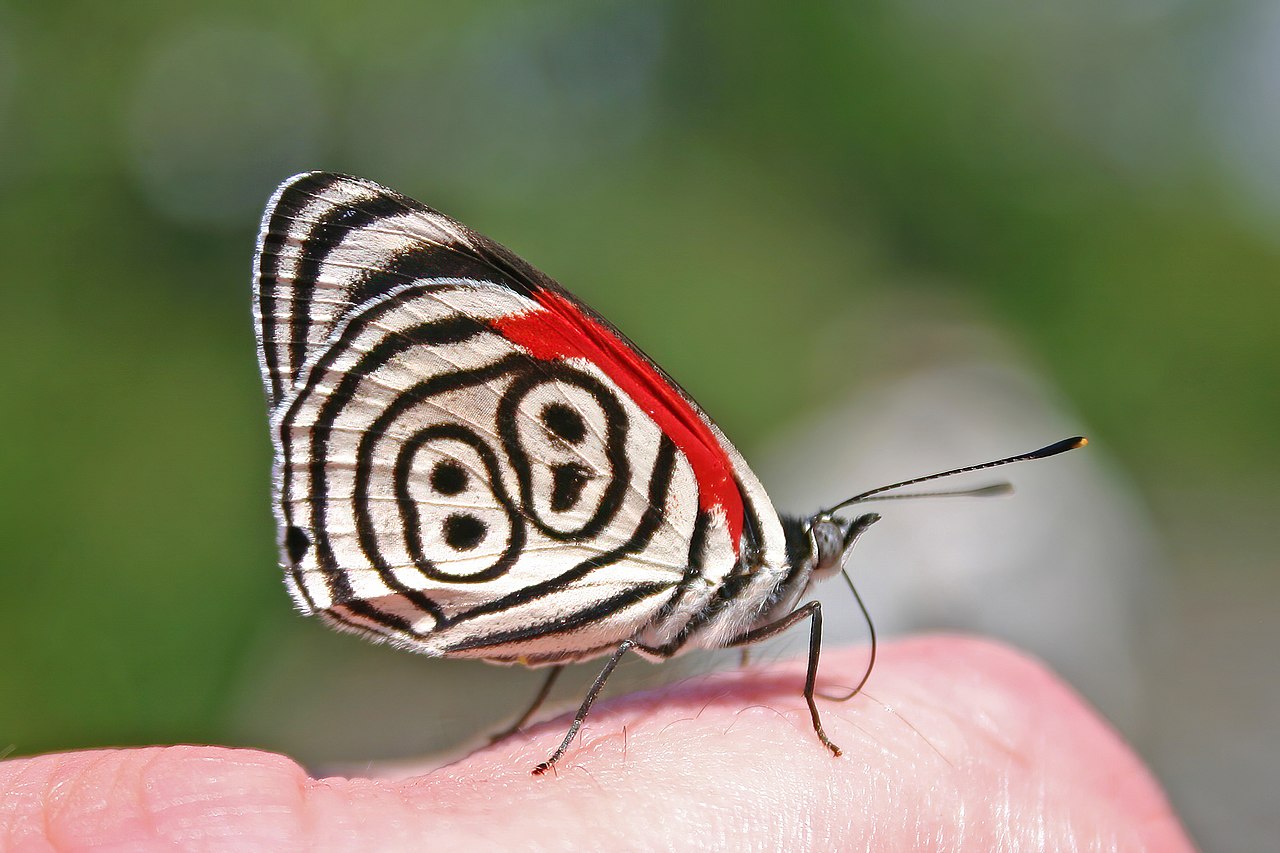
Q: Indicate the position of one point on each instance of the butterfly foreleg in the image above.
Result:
(585, 707)
(543, 692)
(813, 612)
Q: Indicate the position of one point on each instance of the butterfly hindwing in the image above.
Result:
(468, 460)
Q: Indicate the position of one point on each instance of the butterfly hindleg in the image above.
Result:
(543, 692)
(623, 647)
(813, 612)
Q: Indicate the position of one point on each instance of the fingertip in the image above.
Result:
(152, 796)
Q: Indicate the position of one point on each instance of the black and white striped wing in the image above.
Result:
(462, 464)
(331, 242)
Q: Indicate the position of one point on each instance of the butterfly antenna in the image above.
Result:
(989, 491)
(998, 488)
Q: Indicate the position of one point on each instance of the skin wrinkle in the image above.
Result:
(1006, 832)
(78, 794)
(47, 815)
(56, 798)
(67, 792)
(991, 732)
(145, 796)
(196, 798)
(26, 792)
(928, 711)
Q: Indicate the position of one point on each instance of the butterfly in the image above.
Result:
(471, 463)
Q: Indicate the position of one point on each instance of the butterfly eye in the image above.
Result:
(828, 544)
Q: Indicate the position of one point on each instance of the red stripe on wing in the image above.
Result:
(564, 331)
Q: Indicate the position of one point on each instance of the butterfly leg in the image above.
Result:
(543, 692)
(813, 612)
(585, 708)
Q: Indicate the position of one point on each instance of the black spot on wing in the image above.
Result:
(564, 422)
(568, 480)
(617, 467)
(448, 478)
(296, 544)
(463, 531)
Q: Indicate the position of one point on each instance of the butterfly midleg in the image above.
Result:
(813, 612)
(623, 647)
(543, 692)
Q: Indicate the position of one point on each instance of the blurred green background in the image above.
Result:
(748, 192)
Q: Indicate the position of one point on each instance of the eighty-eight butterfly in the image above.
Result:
(470, 462)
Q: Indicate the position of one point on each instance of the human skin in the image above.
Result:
(958, 744)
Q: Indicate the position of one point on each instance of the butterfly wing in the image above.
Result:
(468, 460)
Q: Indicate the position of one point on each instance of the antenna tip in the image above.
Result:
(990, 491)
(1058, 447)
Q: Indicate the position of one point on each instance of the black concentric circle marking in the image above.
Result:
(461, 531)
(660, 480)
(567, 481)
(314, 455)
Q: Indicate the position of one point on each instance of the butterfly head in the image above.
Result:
(831, 540)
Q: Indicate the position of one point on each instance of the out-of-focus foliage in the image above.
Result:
(747, 188)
